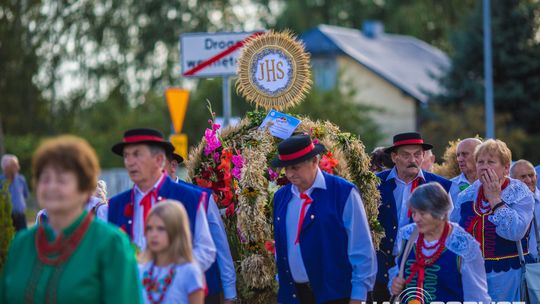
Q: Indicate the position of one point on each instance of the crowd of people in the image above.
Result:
(452, 238)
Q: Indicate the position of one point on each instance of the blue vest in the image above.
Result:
(323, 242)
(389, 220)
(213, 279)
(442, 280)
(499, 253)
(169, 190)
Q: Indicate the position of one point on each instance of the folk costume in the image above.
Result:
(324, 250)
(497, 232)
(393, 211)
(221, 276)
(171, 284)
(449, 269)
(128, 210)
(89, 262)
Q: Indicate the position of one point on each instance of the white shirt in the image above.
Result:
(188, 278)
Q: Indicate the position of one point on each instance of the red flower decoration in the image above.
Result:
(128, 210)
(328, 163)
(269, 245)
(123, 228)
(230, 210)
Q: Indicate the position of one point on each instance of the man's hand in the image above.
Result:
(397, 285)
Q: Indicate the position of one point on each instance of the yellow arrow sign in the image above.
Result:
(180, 143)
(177, 100)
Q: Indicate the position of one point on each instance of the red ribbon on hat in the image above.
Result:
(138, 138)
(409, 142)
(297, 154)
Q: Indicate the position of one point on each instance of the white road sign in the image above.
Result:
(211, 54)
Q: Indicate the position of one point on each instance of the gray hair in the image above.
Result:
(156, 150)
(7, 158)
(432, 198)
(520, 162)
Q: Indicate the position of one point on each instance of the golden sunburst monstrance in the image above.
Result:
(274, 71)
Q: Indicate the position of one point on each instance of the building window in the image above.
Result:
(324, 72)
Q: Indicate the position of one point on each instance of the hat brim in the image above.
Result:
(118, 148)
(179, 159)
(278, 163)
(393, 148)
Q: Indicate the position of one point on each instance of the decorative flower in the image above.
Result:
(212, 140)
(270, 246)
(123, 228)
(238, 163)
(273, 175)
(230, 210)
(328, 163)
(128, 210)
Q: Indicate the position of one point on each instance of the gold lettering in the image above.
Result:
(280, 73)
(262, 72)
(270, 70)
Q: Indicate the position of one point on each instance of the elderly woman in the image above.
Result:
(72, 258)
(445, 263)
(497, 211)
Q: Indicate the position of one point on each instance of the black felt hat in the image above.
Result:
(296, 149)
(142, 136)
(409, 138)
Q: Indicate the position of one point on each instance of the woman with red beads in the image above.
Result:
(168, 271)
(72, 257)
(497, 211)
(443, 262)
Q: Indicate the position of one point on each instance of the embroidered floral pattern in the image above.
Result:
(462, 243)
(503, 218)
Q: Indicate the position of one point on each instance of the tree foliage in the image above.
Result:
(431, 21)
(516, 71)
(6, 224)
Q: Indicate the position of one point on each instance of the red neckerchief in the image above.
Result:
(146, 202)
(307, 202)
(476, 227)
(422, 261)
(415, 183)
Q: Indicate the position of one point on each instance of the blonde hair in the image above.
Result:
(174, 216)
(494, 147)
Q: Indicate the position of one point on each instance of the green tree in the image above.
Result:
(6, 225)
(516, 68)
(432, 21)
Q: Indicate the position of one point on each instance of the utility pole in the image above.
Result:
(488, 72)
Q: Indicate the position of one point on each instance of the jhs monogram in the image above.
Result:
(272, 70)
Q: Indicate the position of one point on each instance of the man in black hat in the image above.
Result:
(144, 152)
(324, 251)
(221, 276)
(396, 186)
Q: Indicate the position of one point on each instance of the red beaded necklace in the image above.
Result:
(151, 284)
(423, 261)
(62, 248)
